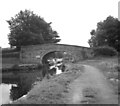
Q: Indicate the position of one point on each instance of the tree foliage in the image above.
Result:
(27, 28)
(106, 34)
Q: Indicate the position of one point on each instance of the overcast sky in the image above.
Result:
(72, 19)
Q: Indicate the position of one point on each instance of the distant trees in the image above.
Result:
(106, 34)
(27, 28)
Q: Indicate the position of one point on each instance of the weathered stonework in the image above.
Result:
(35, 53)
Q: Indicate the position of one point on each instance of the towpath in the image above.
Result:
(91, 87)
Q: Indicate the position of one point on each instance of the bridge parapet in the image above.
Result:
(35, 53)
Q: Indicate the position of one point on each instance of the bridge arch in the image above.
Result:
(52, 54)
(36, 53)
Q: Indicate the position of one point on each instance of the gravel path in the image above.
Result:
(91, 87)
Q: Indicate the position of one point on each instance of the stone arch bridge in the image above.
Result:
(34, 54)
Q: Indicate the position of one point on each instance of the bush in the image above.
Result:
(104, 51)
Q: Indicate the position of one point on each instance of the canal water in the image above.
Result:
(5, 93)
(15, 87)
(16, 84)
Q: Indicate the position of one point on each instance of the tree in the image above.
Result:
(106, 34)
(27, 28)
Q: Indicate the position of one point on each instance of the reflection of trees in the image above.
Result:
(24, 84)
(15, 93)
(19, 91)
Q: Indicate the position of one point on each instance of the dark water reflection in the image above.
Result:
(15, 87)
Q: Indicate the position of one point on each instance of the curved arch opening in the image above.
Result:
(51, 55)
(53, 61)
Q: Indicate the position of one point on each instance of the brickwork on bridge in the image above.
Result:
(35, 53)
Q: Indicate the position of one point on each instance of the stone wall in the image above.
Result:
(35, 53)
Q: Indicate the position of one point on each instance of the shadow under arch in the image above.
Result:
(52, 54)
(45, 62)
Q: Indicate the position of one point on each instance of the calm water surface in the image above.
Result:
(15, 86)
(12, 89)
